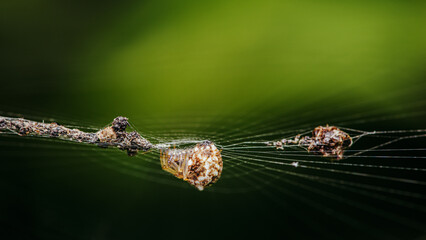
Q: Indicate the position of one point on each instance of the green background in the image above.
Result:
(205, 69)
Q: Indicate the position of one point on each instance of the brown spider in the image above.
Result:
(200, 165)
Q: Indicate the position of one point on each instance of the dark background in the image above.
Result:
(219, 70)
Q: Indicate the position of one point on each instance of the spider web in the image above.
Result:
(377, 189)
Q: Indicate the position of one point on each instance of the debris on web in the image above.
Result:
(328, 141)
(113, 135)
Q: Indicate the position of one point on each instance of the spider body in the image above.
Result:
(200, 166)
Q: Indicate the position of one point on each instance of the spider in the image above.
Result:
(200, 166)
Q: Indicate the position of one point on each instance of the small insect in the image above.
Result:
(328, 141)
(200, 166)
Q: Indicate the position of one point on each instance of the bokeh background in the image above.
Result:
(212, 67)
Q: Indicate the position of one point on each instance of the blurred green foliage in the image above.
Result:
(145, 57)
